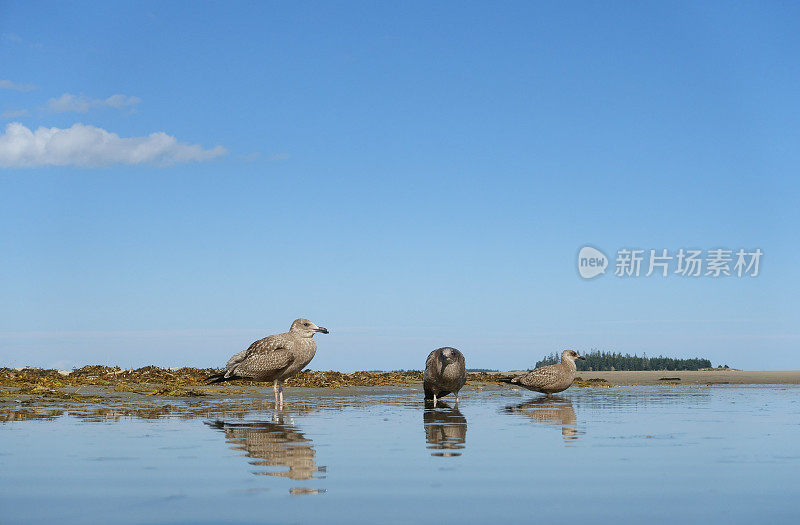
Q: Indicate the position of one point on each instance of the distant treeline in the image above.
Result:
(597, 361)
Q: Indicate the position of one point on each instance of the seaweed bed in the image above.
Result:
(181, 380)
(95, 393)
(595, 381)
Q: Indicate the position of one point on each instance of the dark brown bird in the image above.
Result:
(445, 372)
(550, 379)
(274, 358)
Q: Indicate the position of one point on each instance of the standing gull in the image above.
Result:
(550, 379)
(274, 358)
(445, 372)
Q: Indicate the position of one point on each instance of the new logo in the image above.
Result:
(591, 262)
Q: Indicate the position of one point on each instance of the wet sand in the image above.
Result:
(700, 377)
(154, 400)
(154, 393)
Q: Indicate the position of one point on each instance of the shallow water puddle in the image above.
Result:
(655, 454)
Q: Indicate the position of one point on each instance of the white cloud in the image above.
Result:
(17, 40)
(90, 146)
(11, 37)
(120, 101)
(277, 157)
(16, 86)
(250, 157)
(14, 113)
(81, 104)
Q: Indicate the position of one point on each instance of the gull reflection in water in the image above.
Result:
(445, 430)
(550, 411)
(275, 444)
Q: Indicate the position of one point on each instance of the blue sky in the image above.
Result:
(179, 179)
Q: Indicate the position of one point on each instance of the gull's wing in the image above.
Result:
(540, 377)
(433, 359)
(462, 365)
(271, 353)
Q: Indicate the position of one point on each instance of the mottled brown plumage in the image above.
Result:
(274, 358)
(550, 379)
(445, 372)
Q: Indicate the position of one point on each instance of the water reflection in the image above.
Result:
(24, 414)
(276, 444)
(445, 430)
(550, 411)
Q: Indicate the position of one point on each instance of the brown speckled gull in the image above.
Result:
(550, 379)
(274, 358)
(445, 372)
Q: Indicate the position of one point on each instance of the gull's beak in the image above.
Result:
(321, 329)
(579, 357)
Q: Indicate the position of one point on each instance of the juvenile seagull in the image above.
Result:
(274, 358)
(445, 372)
(550, 379)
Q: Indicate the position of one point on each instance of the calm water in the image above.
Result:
(660, 454)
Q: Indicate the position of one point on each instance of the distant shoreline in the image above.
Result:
(695, 377)
(319, 378)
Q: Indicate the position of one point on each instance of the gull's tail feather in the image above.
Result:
(218, 378)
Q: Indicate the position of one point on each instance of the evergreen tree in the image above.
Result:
(601, 360)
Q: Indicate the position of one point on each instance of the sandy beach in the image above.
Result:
(700, 377)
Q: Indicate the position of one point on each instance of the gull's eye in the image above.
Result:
(305, 324)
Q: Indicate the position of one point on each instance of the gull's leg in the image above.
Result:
(280, 393)
(275, 389)
(434, 400)
(456, 398)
